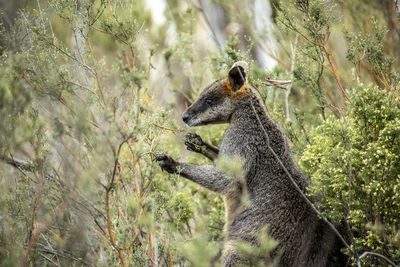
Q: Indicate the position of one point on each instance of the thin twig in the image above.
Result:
(374, 254)
(277, 83)
(22, 166)
(329, 57)
(38, 230)
(174, 131)
(289, 86)
(214, 35)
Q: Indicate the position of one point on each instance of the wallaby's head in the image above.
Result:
(218, 101)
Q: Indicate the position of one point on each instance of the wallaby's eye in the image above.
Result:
(209, 101)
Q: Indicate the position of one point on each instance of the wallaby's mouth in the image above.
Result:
(187, 119)
(191, 120)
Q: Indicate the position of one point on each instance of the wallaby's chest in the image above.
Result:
(232, 145)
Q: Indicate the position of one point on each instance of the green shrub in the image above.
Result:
(354, 164)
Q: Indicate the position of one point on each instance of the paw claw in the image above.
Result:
(166, 163)
(194, 139)
(194, 143)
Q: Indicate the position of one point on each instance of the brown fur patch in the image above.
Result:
(227, 89)
(242, 91)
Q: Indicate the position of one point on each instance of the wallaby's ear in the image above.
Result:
(237, 75)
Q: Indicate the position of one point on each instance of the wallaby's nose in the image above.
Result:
(185, 117)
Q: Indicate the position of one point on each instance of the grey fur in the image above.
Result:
(304, 239)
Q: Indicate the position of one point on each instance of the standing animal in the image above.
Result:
(304, 239)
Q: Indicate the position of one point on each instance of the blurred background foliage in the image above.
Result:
(90, 90)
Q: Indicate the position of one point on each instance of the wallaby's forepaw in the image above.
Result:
(167, 163)
(194, 143)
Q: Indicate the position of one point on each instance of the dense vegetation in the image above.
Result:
(91, 90)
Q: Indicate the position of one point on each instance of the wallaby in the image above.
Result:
(304, 239)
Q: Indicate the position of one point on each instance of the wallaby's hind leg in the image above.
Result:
(196, 144)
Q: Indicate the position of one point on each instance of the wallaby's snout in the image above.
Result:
(185, 117)
(190, 116)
